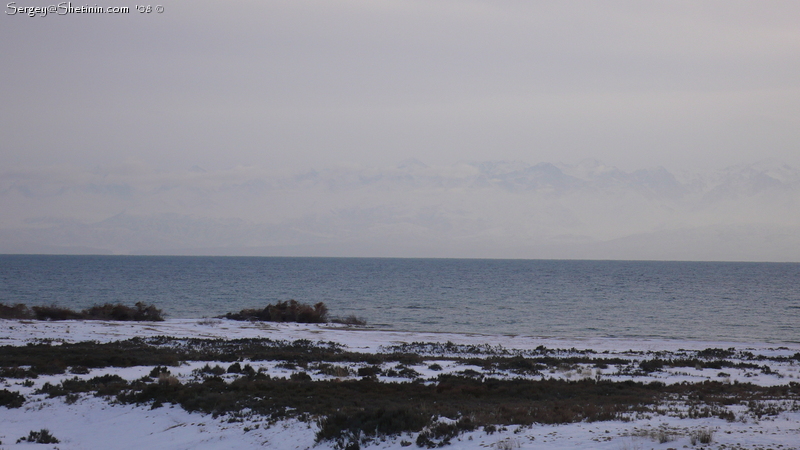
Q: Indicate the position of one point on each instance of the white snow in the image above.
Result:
(92, 422)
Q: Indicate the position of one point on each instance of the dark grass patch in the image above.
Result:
(401, 371)
(47, 359)
(216, 370)
(352, 412)
(17, 372)
(333, 370)
(708, 358)
(439, 434)
(535, 365)
(349, 430)
(716, 353)
(356, 409)
(101, 386)
(657, 364)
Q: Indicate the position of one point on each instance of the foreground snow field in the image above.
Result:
(87, 421)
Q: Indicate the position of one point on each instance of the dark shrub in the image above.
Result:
(717, 353)
(17, 372)
(333, 370)
(439, 434)
(300, 376)
(350, 320)
(216, 370)
(107, 379)
(79, 370)
(652, 365)
(248, 370)
(108, 311)
(346, 430)
(369, 371)
(55, 313)
(18, 311)
(39, 437)
(11, 399)
(158, 370)
(290, 311)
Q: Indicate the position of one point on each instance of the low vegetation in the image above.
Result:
(46, 359)
(339, 392)
(349, 320)
(39, 437)
(354, 412)
(293, 311)
(11, 399)
(108, 311)
(704, 436)
(287, 311)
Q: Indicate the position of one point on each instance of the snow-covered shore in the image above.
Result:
(92, 422)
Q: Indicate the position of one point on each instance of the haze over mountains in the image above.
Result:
(497, 209)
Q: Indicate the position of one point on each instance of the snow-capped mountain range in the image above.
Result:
(470, 209)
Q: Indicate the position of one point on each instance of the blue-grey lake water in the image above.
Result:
(758, 302)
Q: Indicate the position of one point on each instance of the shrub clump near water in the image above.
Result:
(18, 311)
(140, 312)
(289, 311)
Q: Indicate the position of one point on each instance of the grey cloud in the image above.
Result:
(290, 83)
(102, 115)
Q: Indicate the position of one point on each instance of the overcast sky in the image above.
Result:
(286, 86)
(294, 84)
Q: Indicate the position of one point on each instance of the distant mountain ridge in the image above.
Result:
(469, 209)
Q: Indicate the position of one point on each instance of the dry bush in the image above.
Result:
(507, 444)
(167, 379)
(333, 370)
(11, 399)
(108, 311)
(289, 311)
(350, 320)
(662, 435)
(704, 436)
(39, 437)
(18, 311)
(55, 313)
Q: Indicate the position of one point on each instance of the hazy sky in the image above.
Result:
(280, 87)
(298, 84)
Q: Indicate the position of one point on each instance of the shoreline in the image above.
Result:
(19, 332)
